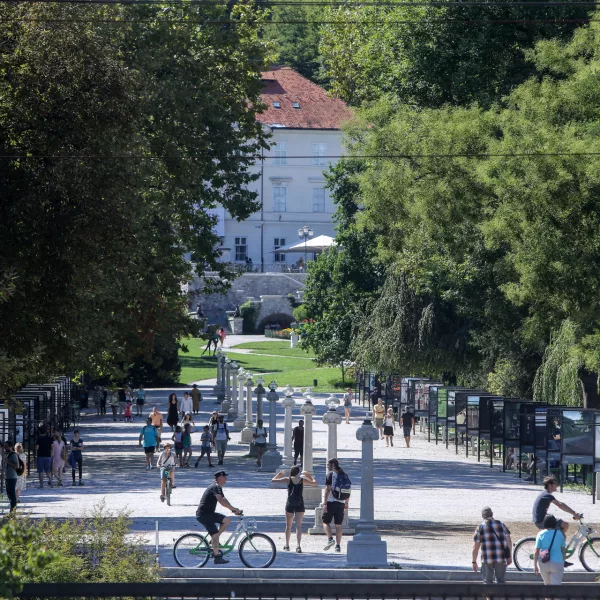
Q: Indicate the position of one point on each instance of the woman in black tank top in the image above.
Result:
(295, 502)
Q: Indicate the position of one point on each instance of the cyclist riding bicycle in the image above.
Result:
(214, 522)
(166, 464)
(542, 504)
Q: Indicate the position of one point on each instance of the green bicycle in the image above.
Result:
(589, 553)
(256, 550)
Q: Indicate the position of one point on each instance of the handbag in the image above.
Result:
(545, 554)
(505, 549)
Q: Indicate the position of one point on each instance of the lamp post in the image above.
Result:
(305, 233)
(272, 458)
(367, 549)
(312, 495)
(247, 432)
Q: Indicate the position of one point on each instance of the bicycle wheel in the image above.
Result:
(191, 551)
(257, 551)
(168, 491)
(589, 555)
(523, 554)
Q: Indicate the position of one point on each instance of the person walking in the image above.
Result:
(11, 476)
(408, 422)
(298, 441)
(493, 538)
(389, 425)
(215, 523)
(348, 404)
(205, 446)
(43, 447)
(166, 464)
(122, 402)
(186, 440)
(21, 479)
(173, 414)
(550, 554)
(222, 336)
(140, 400)
(260, 441)
(103, 398)
(157, 420)
(374, 396)
(196, 399)
(186, 405)
(59, 456)
(379, 414)
(220, 438)
(334, 507)
(114, 403)
(77, 456)
(149, 434)
(294, 506)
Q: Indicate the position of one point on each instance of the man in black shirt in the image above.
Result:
(298, 441)
(43, 447)
(544, 500)
(408, 422)
(374, 397)
(207, 516)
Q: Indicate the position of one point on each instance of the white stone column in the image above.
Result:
(260, 392)
(272, 458)
(233, 410)
(248, 431)
(227, 381)
(221, 392)
(217, 386)
(288, 404)
(367, 549)
(240, 419)
(312, 495)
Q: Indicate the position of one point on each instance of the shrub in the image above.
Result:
(249, 312)
(300, 313)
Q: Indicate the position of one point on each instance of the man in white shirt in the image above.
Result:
(186, 404)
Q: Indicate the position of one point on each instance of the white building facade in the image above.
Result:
(306, 138)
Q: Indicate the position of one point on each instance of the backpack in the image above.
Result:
(21, 468)
(342, 488)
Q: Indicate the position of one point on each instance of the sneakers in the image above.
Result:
(80, 482)
(147, 467)
(299, 550)
(337, 548)
(330, 542)
(162, 498)
(219, 560)
(286, 548)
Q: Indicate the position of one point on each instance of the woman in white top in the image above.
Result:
(166, 464)
(21, 479)
(260, 441)
(348, 404)
(58, 457)
(388, 427)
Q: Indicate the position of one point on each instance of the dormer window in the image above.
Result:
(276, 105)
(295, 104)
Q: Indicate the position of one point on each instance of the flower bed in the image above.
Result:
(279, 334)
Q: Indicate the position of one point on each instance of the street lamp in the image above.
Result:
(305, 233)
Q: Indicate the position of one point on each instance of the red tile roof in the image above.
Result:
(317, 109)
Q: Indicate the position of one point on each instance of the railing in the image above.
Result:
(365, 589)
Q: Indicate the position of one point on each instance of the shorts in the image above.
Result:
(261, 445)
(164, 473)
(335, 512)
(378, 423)
(407, 430)
(44, 464)
(210, 522)
(221, 445)
(489, 570)
(204, 450)
(140, 402)
(149, 449)
(293, 509)
(388, 430)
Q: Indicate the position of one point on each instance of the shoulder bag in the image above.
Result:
(545, 554)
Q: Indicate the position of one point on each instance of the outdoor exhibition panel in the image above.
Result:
(25, 419)
(446, 410)
(492, 423)
(415, 395)
(474, 400)
(577, 438)
(512, 427)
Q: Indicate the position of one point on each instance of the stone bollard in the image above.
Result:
(240, 419)
(312, 495)
(294, 339)
(307, 393)
(248, 430)
(217, 387)
(233, 410)
(260, 394)
(221, 394)
(367, 549)
(227, 381)
(332, 419)
(272, 458)
(288, 404)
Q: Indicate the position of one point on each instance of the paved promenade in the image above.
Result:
(427, 499)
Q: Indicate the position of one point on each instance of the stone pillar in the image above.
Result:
(288, 404)
(272, 458)
(217, 386)
(248, 431)
(260, 394)
(332, 419)
(294, 339)
(312, 495)
(367, 549)
(221, 392)
(240, 420)
(233, 410)
(227, 381)
(332, 401)
(307, 393)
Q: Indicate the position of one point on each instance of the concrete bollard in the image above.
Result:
(312, 495)
(367, 549)
(288, 404)
(226, 405)
(247, 432)
(217, 387)
(240, 420)
(272, 458)
(233, 410)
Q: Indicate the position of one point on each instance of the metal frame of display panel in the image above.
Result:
(512, 428)
(45, 415)
(446, 403)
(54, 416)
(474, 413)
(28, 421)
(4, 436)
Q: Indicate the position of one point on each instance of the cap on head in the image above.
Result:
(487, 512)
(221, 474)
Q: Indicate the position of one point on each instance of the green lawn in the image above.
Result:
(281, 348)
(298, 371)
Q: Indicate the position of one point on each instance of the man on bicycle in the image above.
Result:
(214, 522)
(542, 504)
(166, 464)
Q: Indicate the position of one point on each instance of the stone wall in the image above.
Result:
(249, 286)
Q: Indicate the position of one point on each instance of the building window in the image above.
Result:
(319, 152)
(279, 198)
(280, 153)
(241, 249)
(318, 199)
(279, 243)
